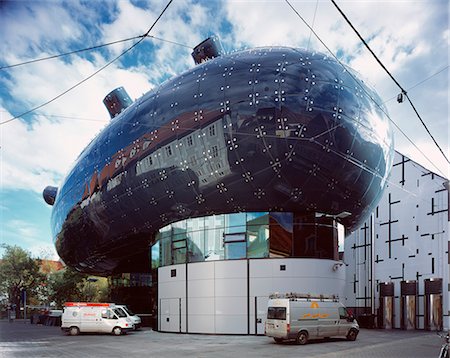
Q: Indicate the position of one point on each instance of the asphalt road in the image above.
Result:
(22, 339)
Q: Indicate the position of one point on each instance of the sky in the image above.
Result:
(411, 38)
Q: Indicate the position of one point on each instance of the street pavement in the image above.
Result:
(22, 339)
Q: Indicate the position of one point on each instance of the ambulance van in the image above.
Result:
(94, 318)
(301, 317)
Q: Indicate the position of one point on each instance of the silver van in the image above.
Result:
(301, 317)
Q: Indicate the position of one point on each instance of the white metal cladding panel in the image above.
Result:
(263, 267)
(261, 314)
(230, 287)
(230, 269)
(231, 324)
(201, 306)
(231, 306)
(300, 275)
(171, 289)
(202, 323)
(201, 288)
(165, 273)
(201, 270)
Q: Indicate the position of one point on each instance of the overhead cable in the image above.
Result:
(392, 77)
(90, 49)
(93, 74)
(377, 104)
(68, 53)
(419, 83)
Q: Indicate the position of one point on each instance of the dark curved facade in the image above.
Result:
(269, 129)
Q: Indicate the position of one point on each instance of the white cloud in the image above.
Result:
(410, 38)
(39, 154)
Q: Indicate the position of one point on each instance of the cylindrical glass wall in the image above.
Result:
(245, 235)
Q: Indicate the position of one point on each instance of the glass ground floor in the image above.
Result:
(247, 235)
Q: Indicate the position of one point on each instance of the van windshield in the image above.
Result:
(130, 313)
(276, 313)
(118, 311)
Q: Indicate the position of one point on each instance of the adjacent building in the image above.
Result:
(397, 262)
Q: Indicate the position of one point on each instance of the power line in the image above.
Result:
(93, 74)
(69, 53)
(378, 105)
(67, 117)
(392, 77)
(91, 48)
(419, 83)
(314, 20)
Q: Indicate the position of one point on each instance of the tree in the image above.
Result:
(18, 272)
(70, 285)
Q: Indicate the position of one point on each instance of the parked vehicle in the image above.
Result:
(133, 317)
(301, 317)
(94, 317)
(444, 352)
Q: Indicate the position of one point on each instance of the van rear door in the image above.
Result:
(277, 324)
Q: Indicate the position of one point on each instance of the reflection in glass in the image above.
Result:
(235, 246)
(155, 255)
(214, 231)
(179, 247)
(235, 223)
(166, 251)
(281, 234)
(257, 235)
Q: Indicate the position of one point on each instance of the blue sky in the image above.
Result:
(410, 37)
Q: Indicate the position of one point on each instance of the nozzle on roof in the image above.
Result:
(49, 194)
(116, 101)
(207, 49)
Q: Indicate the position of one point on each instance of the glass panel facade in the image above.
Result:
(245, 235)
(235, 223)
(257, 235)
(155, 255)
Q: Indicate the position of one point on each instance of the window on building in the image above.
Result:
(155, 254)
(235, 246)
(235, 223)
(281, 234)
(189, 141)
(257, 235)
(214, 231)
(168, 150)
(179, 249)
(165, 245)
(212, 130)
(214, 151)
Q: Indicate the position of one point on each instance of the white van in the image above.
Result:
(133, 317)
(301, 317)
(94, 317)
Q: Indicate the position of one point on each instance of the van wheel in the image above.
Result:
(117, 331)
(278, 340)
(351, 335)
(302, 338)
(74, 331)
